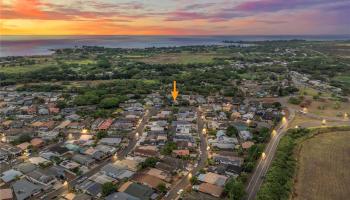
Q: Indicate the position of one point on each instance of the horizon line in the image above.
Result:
(345, 34)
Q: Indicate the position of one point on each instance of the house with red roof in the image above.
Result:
(105, 125)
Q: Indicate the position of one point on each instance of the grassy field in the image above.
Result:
(310, 91)
(345, 79)
(180, 58)
(80, 62)
(22, 69)
(326, 107)
(323, 172)
(303, 121)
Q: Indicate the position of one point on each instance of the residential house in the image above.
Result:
(245, 135)
(211, 189)
(130, 164)
(90, 187)
(25, 189)
(25, 167)
(23, 146)
(12, 151)
(38, 176)
(83, 159)
(122, 124)
(181, 152)
(110, 141)
(147, 151)
(139, 191)
(6, 194)
(222, 159)
(108, 150)
(10, 175)
(38, 160)
(37, 142)
(120, 196)
(96, 123)
(149, 180)
(116, 171)
(69, 165)
(159, 174)
(4, 156)
(213, 178)
(105, 125)
(247, 144)
(222, 141)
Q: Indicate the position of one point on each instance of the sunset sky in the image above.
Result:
(171, 17)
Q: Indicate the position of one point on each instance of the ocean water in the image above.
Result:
(43, 45)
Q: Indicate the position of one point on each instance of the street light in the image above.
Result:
(249, 121)
(208, 148)
(115, 157)
(65, 183)
(189, 175)
(305, 110)
(263, 155)
(346, 116)
(324, 122)
(204, 131)
(274, 132)
(284, 120)
(70, 136)
(3, 137)
(84, 131)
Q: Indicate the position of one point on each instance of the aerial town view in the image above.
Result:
(170, 100)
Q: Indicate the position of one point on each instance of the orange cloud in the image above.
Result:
(28, 8)
(46, 17)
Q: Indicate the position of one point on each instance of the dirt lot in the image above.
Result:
(323, 172)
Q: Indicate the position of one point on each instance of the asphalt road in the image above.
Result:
(264, 164)
(138, 130)
(184, 181)
(121, 154)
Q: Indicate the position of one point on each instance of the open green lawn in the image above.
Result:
(22, 69)
(344, 79)
(180, 58)
(80, 62)
(248, 76)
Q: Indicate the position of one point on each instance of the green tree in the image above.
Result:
(168, 148)
(110, 102)
(61, 104)
(149, 162)
(194, 180)
(263, 135)
(104, 63)
(22, 138)
(108, 188)
(294, 100)
(101, 134)
(88, 98)
(161, 188)
(231, 131)
(234, 189)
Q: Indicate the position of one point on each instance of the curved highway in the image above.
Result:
(264, 163)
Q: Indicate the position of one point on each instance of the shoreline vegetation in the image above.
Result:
(210, 66)
(279, 180)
